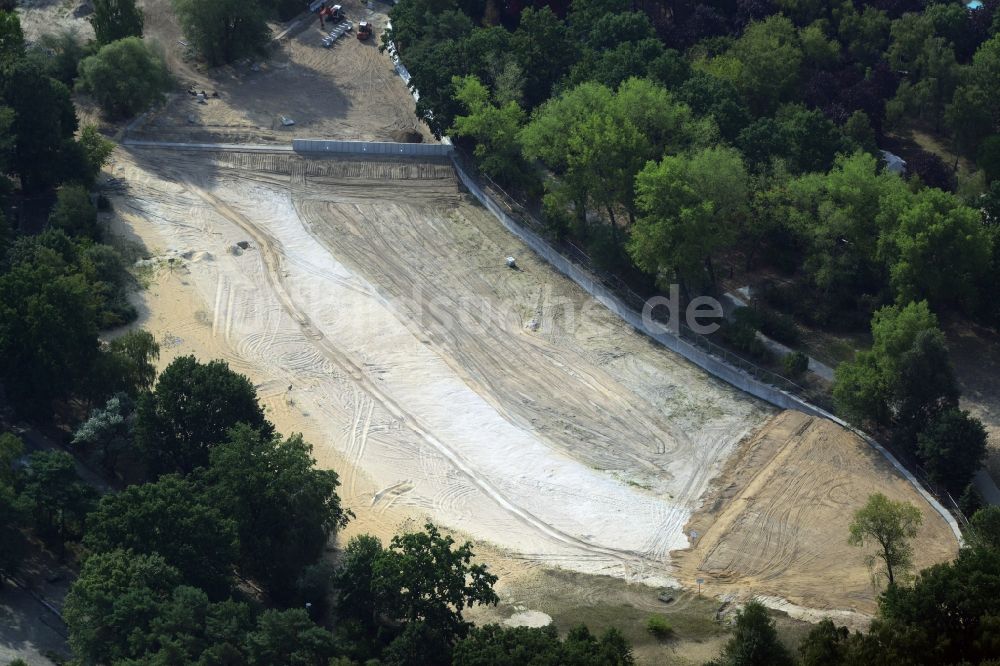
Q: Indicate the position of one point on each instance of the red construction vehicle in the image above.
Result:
(364, 30)
(334, 14)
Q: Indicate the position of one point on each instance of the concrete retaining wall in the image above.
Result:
(372, 148)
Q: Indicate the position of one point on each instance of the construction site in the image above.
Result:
(370, 302)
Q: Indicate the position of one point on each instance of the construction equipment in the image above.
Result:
(335, 15)
(364, 30)
(332, 14)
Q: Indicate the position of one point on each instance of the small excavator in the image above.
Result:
(364, 30)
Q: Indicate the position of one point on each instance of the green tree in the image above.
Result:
(421, 578)
(11, 37)
(108, 432)
(948, 615)
(13, 519)
(74, 213)
(718, 98)
(952, 448)
(493, 645)
(59, 54)
(173, 518)
(13, 512)
(988, 157)
(289, 637)
(285, 509)
(116, 19)
(58, 499)
(494, 128)
(555, 136)
(48, 330)
(858, 129)
(824, 645)
(96, 150)
(44, 124)
(770, 56)
(225, 30)
(357, 600)
(419, 644)
(133, 357)
(984, 529)
(817, 50)
(812, 141)
(113, 600)
(889, 527)
(125, 77)
(969, 118)
(190, 410)
(690, 209)
(545, 50)
(864, 35)
(755, 641)
(905, 378)
(186, 628)
(985, 65)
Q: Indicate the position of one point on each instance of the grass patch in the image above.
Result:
(659, 627)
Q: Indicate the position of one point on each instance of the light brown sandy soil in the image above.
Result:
(777, 521)
(181, 318)
(579, 442)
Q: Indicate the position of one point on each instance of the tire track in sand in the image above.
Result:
(274, 276)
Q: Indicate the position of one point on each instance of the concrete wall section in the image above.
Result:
(371, 148)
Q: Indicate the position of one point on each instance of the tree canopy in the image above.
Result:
(191, 409)
(125, 77)
(887, 527)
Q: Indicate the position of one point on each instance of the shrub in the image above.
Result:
(795, 364)
(777, 326)
(73, 212)
(741, 335)
(659, 626)
(125, 77)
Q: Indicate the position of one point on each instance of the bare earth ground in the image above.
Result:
(349, 91)
(378, 291)
(777, 519)
(579, 442)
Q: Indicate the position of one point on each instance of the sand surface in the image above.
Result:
(776, 522)
(373, 309)
(575, 441)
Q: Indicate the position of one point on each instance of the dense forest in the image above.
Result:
(756, 123)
